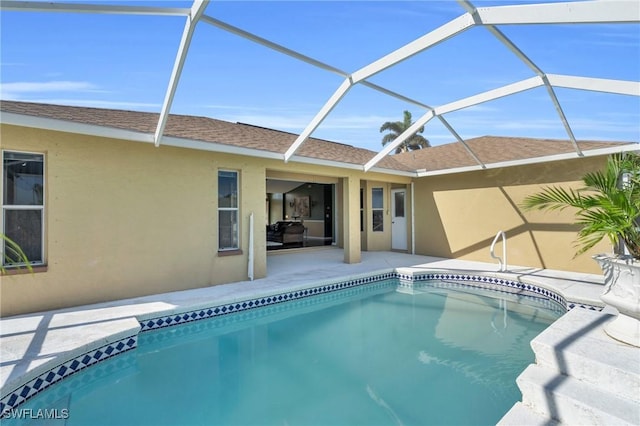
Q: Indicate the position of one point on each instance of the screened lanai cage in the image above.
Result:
(565, 71)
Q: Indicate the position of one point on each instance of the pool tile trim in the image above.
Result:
(66, 369)
(483, 281)
(492, 283)
(270, 313)
(25, 392)
(266, 300)
(62, 371)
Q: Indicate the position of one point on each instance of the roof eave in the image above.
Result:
(632, 146)
(46, 123)
(351, 166)
(58, 125)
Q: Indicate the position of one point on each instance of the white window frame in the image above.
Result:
(10, 207)
(374, 209)
(236, 209)
(362, 210)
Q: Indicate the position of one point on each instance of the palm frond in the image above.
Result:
(554, 198)
(388, 138)
(12, 254)
(417, 142)
(396, 128)
(607, 207)
(393, 126)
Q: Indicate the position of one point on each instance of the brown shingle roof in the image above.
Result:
(203, 129)
(492, 149)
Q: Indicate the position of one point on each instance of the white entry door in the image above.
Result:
(398, 219)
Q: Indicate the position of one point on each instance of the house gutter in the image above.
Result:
(631, 147)
(45, 123)
(134, 136)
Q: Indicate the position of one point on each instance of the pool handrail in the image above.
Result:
(502, 262)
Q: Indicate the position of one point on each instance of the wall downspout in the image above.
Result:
(250, 255)
(413, 222)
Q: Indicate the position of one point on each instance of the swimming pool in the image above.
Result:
(380, 353)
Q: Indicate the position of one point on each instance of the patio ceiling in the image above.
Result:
(578, 12)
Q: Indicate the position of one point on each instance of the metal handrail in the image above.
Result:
(501, 261)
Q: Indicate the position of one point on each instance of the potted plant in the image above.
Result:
(608, 206)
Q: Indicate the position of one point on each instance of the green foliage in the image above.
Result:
(12, 254)
(608, 206)
(396, 128)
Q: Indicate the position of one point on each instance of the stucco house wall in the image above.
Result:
(125, 219)
(376, 240)
(457, 216)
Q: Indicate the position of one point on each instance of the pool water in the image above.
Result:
(377, 355)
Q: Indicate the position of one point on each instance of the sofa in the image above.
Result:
(286, 232)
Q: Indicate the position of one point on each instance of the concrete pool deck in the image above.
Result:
(35, 343)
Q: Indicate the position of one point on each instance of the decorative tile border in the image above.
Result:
(275, 304)
(584, 306)
(482, 281)
(272, 312)
(62, 371)
(545, 297)
(455, 280)
(57, 396)
(220, 310)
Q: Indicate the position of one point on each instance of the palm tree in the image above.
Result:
(396, 128)
(608, 205)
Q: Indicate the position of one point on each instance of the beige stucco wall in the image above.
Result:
(381, 241)
(376, 241)
(459, 215)
(125, 219)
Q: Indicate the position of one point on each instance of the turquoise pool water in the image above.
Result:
(374, 355)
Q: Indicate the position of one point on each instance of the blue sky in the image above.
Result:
(124, 62)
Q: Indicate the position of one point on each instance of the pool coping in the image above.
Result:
(24, 386)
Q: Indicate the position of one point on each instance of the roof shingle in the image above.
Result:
(202, 129)
(492, 149)
(489, 149)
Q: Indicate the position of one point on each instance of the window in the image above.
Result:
(23, 203)
(377, 209)
(227, 210)
(399, 204)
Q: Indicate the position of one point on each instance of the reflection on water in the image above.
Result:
(483, 324)
(373, 357)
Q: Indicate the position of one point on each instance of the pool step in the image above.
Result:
(594, 359)
(581, 376)
(568, 400)
(520, 415)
